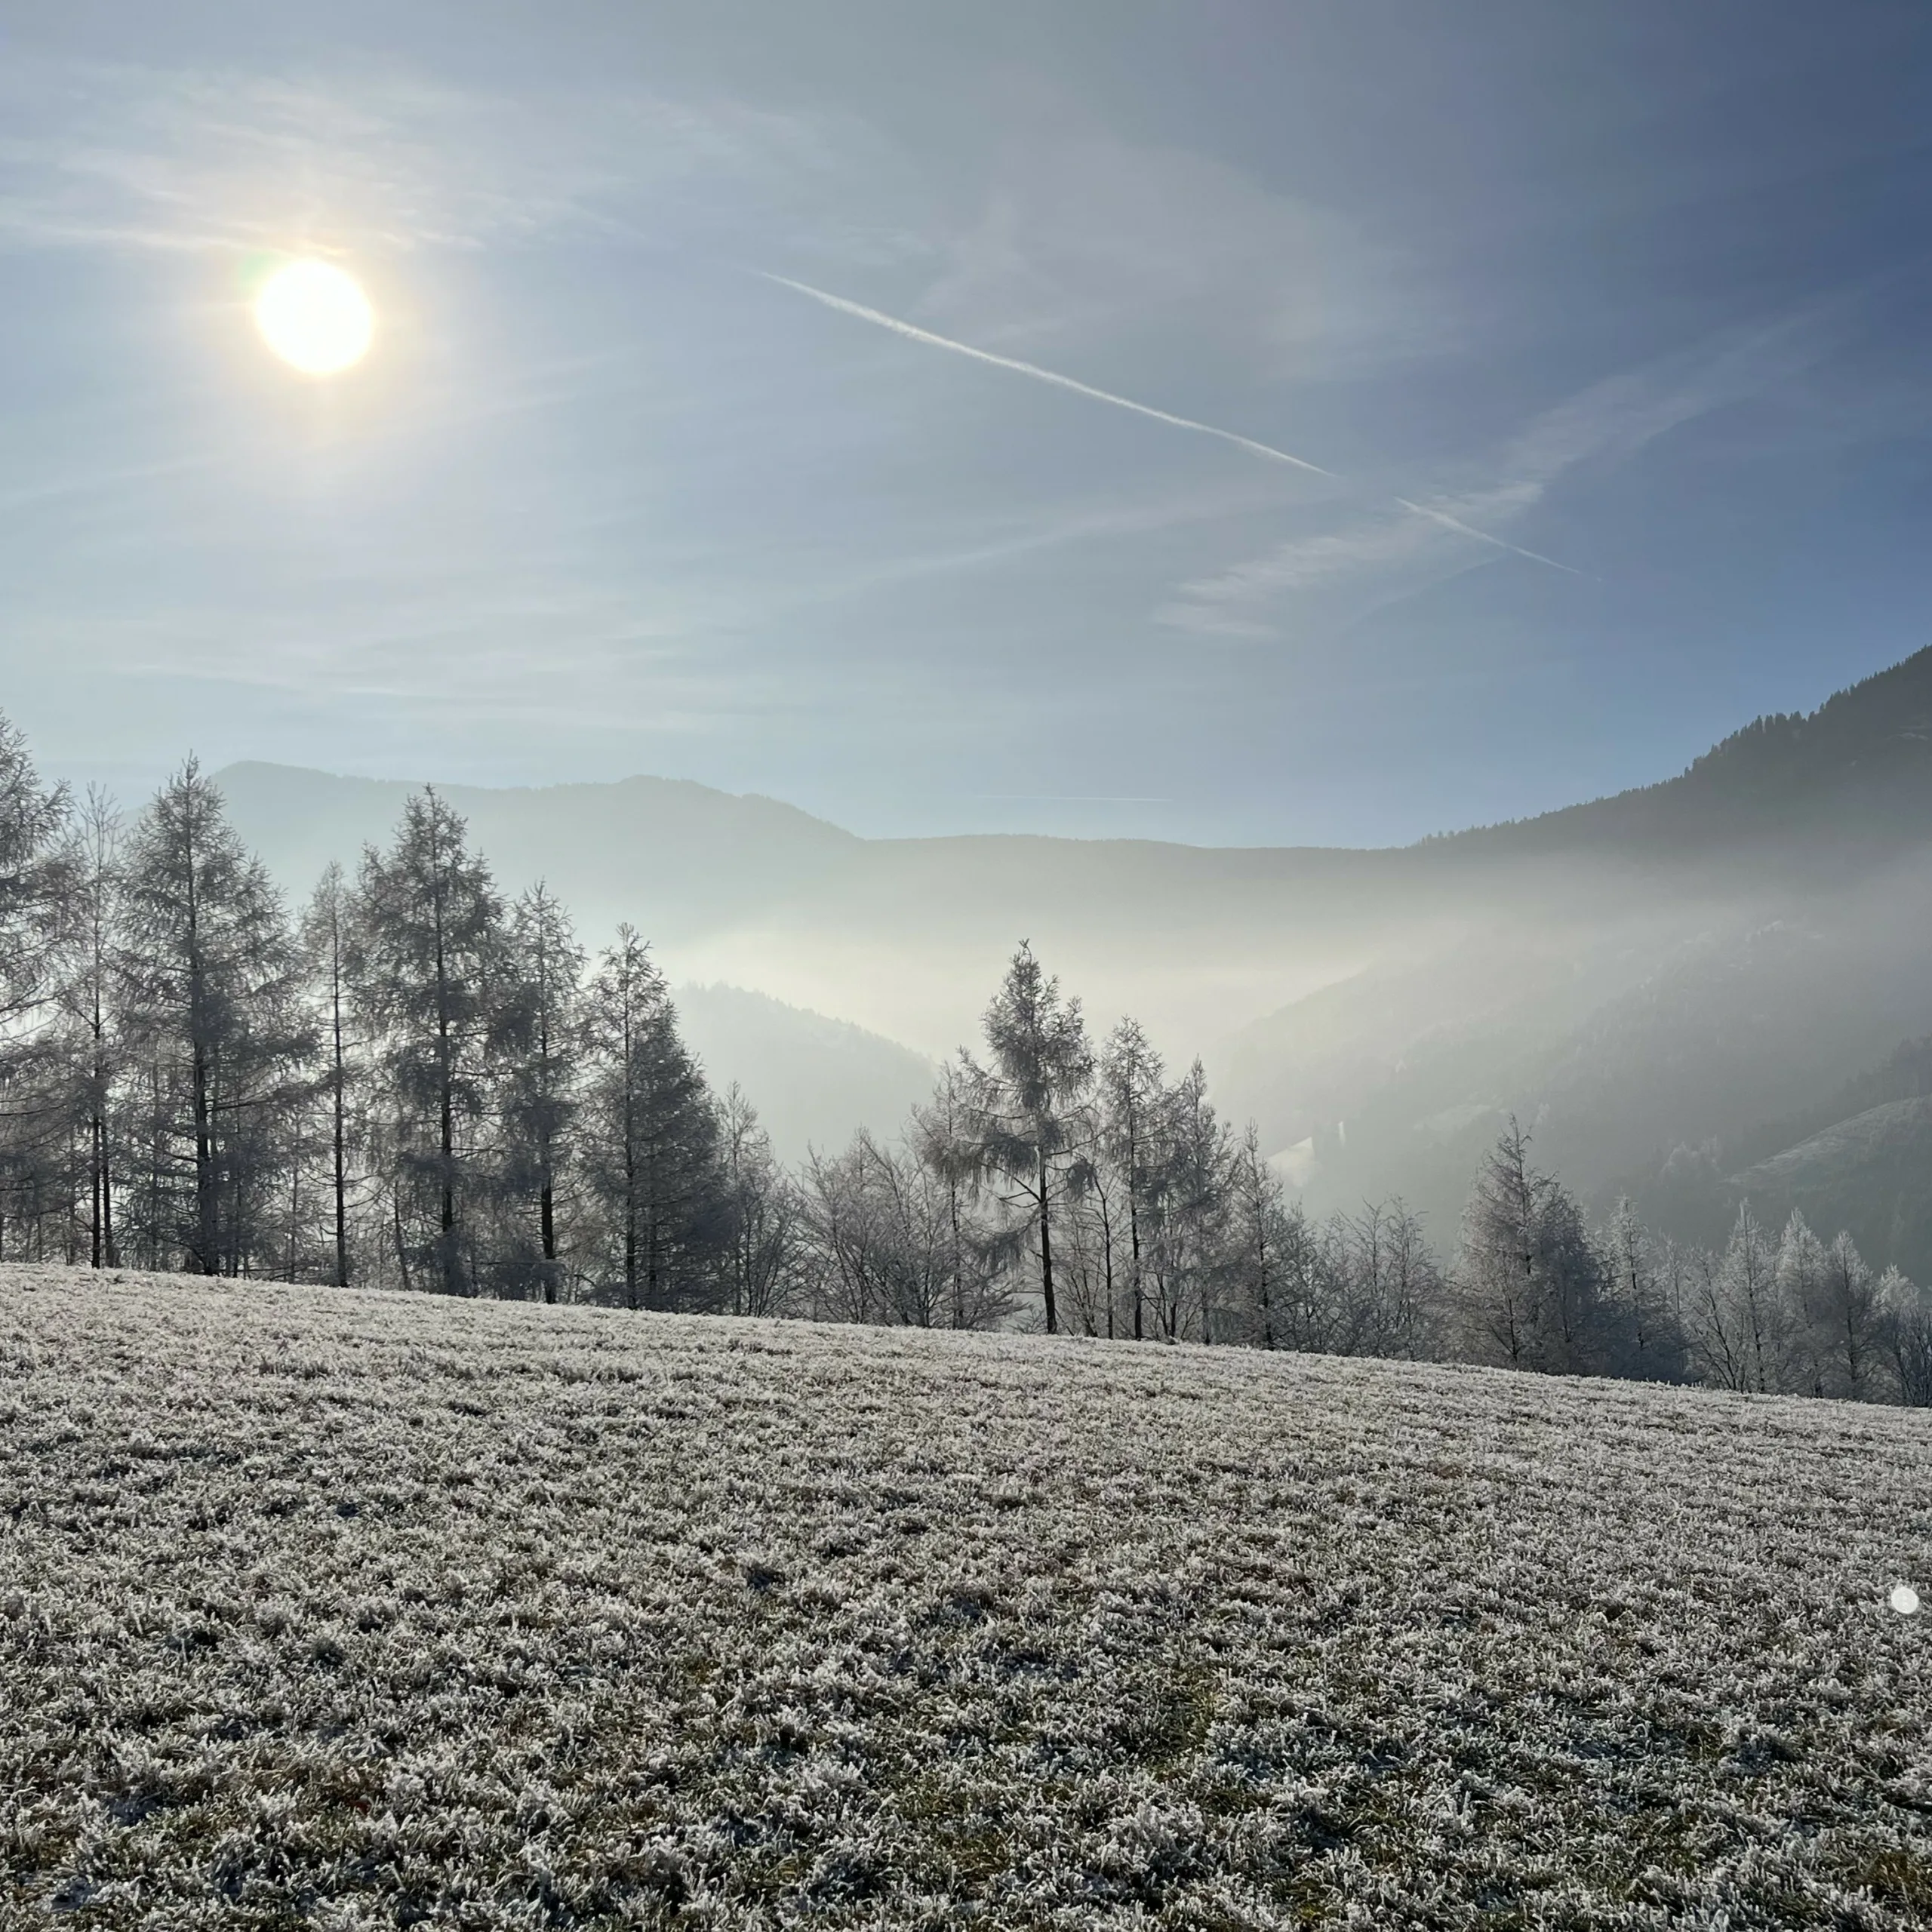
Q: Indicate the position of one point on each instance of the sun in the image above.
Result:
(314, 316)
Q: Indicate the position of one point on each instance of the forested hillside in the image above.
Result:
(1855, 773)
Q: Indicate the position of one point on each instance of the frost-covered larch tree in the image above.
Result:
(1639, 1282)
(1496, 1271)
(1132, 1080)
(1258, 1215)
(94, 990)
(762, 1211)
(1737, 1331)
(435, 963)
(1804, 1323)
(1191, 1246)
(1850, 1323)
(329, 950)
(227, 1043)
(975, 1296)
(1906, 1335)
(542, 1038)
(1530, 1280)
(37, 1171)
(1020, 1126)
(36, 865)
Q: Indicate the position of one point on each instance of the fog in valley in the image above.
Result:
(1703, 992)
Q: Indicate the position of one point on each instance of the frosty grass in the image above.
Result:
(355, 1610)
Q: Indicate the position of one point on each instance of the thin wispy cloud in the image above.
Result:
(1268, 452)
(98, 483)
(1610, 421)
(1015, 538)
(210, 159)
(1239, 602)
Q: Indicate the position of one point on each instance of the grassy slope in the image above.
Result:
(352, 1610)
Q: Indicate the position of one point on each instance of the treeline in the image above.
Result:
(416, 1082)
(413, 1081)
(1131, 1210)
(1536, 1288)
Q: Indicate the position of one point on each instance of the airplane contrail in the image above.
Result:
(915, 334)
(1267, 451)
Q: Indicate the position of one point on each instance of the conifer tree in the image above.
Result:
(1800, 1271)
(761, 1211)
(1259, 1210)
(539, 1099)
(940, 1128)
(36, 870)
(217, 1004)
(94, 994)
(1496, 1273)
(1131, 1083)
(1850, 1324)
(1906, 1335)
(1737, 1333)
(1193, 1162)
(329, 941)
(37, 1169)
(1019, 1128)
(1639, 1284)
(434, 962)
(1530, 1278)
(650, 1138)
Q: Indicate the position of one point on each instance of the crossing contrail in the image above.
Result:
(1456, 523)
(1267, 451)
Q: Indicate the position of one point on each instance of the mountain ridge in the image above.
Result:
(1753, 766)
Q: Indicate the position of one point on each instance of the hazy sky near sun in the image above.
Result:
(1642, 289)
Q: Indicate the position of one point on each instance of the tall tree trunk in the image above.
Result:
(446, 1096)
(402, 1246)
(547, 1202)
(547, 1216)
(96, 1178)
(630, 1160)
(958, 1254)
(339, 1150)
(1047, 1247)
(294, 1211)
(1261, 1280)
(207, 1208)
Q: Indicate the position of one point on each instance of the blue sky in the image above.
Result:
(1641, 291)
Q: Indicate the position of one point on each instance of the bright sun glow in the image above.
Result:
(315, 317)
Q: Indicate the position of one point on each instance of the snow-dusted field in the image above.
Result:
(354, 1609)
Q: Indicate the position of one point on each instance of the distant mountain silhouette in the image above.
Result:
(1639, 976)
(652, 850)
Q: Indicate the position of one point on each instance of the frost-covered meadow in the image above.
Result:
(356, 1609)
